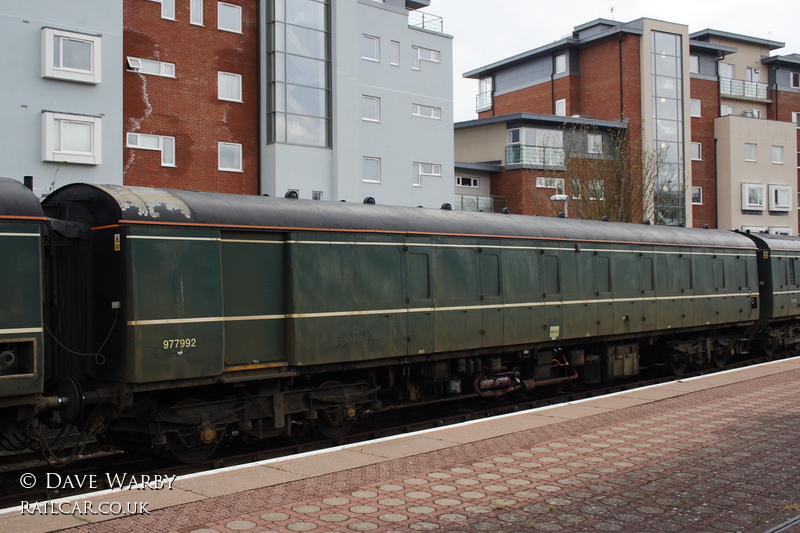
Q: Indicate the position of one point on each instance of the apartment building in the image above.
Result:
(62, 93)
(677, 94)
(358, 102)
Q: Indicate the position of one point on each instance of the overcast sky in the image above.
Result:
(486, 31)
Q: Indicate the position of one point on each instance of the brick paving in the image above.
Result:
(722, 460)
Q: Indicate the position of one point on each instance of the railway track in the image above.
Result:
(105, 465)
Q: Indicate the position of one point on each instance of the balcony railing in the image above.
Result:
(745, 89)
(518, 154)
(483, 102)
(487, 204)
(425, 21)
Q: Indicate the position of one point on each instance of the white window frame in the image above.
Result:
(316, 195)
(236, 146)
(753, 229)
(238, 9)
(755, 152)
(726, 68)
(372, 100)
(220, 96)
(594, 187)
(777, 154)
(776, 203)
(51, 153)
(377, 42)
(723, 108)
(594, 143)
(433, 170)
(697, 195)
(419, 110)
(163, 144)
(746, 188)
(796, 118)
(550, 183)
(696, 107)
(395, 53)
(561, 107)
(196, 12)
(794, 80)
(434, 56)
(694, 64)
(698, 147)
(560, 64)
(468, 181)
(154, 68)
(779, 230)
(49, 70)
(377, 178)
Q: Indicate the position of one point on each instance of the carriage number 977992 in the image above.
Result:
(179, 343)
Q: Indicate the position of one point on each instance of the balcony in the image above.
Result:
(743, 89)
(483, 102)
(487, 204)
(425, 21)
(539, 156)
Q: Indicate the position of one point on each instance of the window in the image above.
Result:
(167, 9)
(561, 63)
(777, 154)
(550, 183)
(725, 70)
(229, 17)
(753, 74)
(70, 56)
(370, 48)
(694, 64)
(796, 118)
(370, 108)
(597, 190)
(594, 143)
(316, 195)
(229, 86)
(424, 54)
(750, 151)
(426, 111)
(725, 110)
(467, 182)
(697, 195)
(783, 230)
(230, 157)
(71, 138)
(149, 66)
(795, 80)
(752, 196)
(166, 145)
(196, 12)
(780, 197)
(753, 229)
(371, 170)
(425, 169)
(395, 53)
(561, 107)
(697, 151)
(695, 107)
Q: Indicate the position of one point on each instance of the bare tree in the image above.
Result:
(610, 173)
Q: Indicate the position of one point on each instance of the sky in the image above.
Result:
(486, 31)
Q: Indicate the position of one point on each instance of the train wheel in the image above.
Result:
(677, 368)
(330, 428)
(720, 359)
(179, 448)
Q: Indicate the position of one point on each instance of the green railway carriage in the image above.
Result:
(21, 326)
(221, 312)
(779, 270)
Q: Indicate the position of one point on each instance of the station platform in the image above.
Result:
(718, 453)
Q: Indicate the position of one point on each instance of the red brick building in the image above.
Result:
(673, 91)
(191, 95)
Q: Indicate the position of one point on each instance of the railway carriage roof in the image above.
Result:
(16, 200)
(104, 205)
(775, 242)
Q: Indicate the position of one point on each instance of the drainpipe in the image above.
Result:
(552, 82)
(621, 86)
(775, 77)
